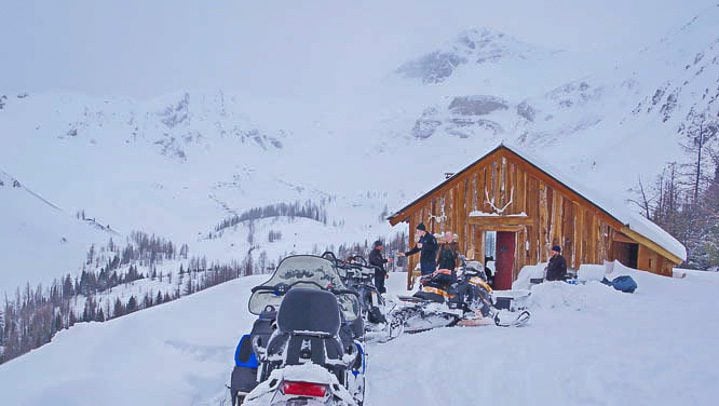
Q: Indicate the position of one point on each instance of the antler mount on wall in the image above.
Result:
(493, 206)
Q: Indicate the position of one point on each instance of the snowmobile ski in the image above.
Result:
(512, 319)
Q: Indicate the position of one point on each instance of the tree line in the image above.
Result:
(684, 198)
(308, 209)
(33, 316)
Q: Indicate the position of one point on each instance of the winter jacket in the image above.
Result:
(557, 268)
(428, 253)
(376, 259)
(447, 256)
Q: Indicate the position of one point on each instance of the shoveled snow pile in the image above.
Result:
(553, 295)
(585, 344)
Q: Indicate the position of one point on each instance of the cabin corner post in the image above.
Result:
(410, 239)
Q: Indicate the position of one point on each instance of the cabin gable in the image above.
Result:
(504, 192)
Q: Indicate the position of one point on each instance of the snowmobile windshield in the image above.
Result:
(305, 271)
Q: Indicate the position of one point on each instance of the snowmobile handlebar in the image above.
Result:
(330, 256)
(358, 258)
(344, 292)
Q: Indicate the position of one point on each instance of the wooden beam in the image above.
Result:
(578, 214)
(651, 245)
(619, 237)
(499, 221)
(493, 227)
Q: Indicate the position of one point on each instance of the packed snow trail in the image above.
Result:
(584, 345)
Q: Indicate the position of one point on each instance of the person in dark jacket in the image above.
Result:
(447, 257)
(377, 260)
(557, 267)
(427, 247)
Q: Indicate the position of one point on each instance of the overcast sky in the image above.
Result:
(143, 48)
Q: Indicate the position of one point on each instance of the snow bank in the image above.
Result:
(560, 295)
(529, 272)
(591, 272)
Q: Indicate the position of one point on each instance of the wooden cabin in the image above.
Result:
(510, 206)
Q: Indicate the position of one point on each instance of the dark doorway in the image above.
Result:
(506, 247)
(626, 253)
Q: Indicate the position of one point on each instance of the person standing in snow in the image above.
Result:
(427, 246)
(377, 260)
(557, 266)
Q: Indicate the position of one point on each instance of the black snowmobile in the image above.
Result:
(307, 345)
(358, 275)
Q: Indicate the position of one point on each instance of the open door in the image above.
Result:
(506, 247)
(626, 253)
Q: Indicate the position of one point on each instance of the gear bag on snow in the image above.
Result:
(623, 283)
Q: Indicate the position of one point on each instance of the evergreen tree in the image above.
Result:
(118, 309)
(131, 304)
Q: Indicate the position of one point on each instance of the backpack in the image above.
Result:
(447, 257)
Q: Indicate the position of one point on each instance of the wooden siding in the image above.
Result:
(555, 215)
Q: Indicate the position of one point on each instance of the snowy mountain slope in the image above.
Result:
(688, 86)
(181, 352)
(175, 166)
(479, 51)
(589, 115)
(42, 239)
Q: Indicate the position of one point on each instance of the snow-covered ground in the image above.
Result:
(586, 344)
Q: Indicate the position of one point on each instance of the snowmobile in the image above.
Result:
(445, 300)
(358, 275)
(307, 342)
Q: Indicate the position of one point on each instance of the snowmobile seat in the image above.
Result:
(306, 309)
(303, 348)
(262, 328)
(308, 324)
(429, 296)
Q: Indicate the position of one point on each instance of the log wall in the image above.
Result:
(555, 215)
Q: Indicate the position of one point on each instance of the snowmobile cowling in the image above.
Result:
(244, 356)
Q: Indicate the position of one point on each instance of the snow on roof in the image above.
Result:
(620, 211)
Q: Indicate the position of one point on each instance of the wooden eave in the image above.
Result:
(651, 245)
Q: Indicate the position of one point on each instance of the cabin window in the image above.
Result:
(490, 243)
